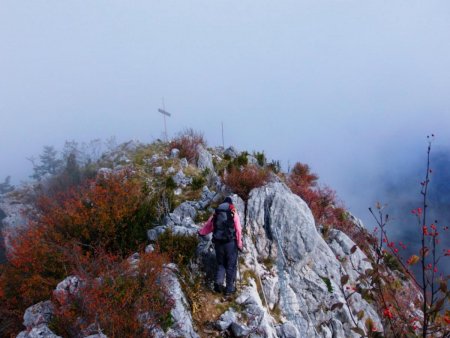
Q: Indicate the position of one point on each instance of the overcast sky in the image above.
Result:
(350, 87)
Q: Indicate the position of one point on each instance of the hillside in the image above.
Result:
(108, 246)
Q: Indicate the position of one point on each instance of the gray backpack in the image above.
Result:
(223, 221)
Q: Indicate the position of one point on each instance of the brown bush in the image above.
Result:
(242, 181)
(181, 249)
(325, 207)
(187, 142)
(123, 301)
(65, 232)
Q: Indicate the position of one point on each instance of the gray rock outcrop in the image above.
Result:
(205, 160)
(13, 208)
(36, 320)
(174, 153)
(41, 331)
(231, 152)
(184, 163)
(298, 265)
(40, 313)
(181, 180)
(183, 325)
(185, 209)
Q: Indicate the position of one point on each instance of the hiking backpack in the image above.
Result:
(223, 221)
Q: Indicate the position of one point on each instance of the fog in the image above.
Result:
(352, 88)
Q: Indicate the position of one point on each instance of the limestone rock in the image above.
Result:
(226, 319)
(40, 331)
(40, 313)
(68, 287)
(252, 160)
(206, 198)
(275, 216)
(280, 229)
(240, 330)
(12, 206)
(174, 153)
(188, 222)
(158, 170)
(153, 159)
(287, 330)
(133, 261)
(185, 209)
(341, 246)
(123, 159)
(183, 326)
(231, 152)
(184, 162)
(204, 159)
(181, 180)
(172, 219)
(258, 318)
(154, 233)
(184, 231)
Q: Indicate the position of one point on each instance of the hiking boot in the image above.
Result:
(218, 288)
(229, 293)
(228, 296)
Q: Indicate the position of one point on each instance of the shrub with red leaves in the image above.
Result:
(243, 180)
(67, 230)
(323, 203)
(124, 301)
(187, 142)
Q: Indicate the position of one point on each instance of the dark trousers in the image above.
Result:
(226, 256)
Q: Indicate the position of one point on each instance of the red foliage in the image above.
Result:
(64, 233)
(122, 300)
(242, 181)
(187, 142)
(322, 201)
(302, 177)
(95, 214)
(28, 277)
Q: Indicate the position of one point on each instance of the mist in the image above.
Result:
(351, 88)
(400, 193)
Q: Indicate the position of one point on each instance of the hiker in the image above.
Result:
(225, 225)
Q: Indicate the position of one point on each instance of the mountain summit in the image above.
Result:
(109, 248)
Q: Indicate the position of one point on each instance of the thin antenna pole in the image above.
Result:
(223, 142)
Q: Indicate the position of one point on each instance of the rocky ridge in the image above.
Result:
(290, 282)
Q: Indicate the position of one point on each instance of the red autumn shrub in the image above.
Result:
(124, 301)
(187, 142)
(242, 181)
(28, 277)
(301, 177)
(102, 213)
(323, 203)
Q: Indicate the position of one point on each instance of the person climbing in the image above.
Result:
(225, 225)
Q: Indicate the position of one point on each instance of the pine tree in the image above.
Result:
(49, 163)
(6, 186)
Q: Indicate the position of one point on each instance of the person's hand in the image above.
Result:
(240, 249)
